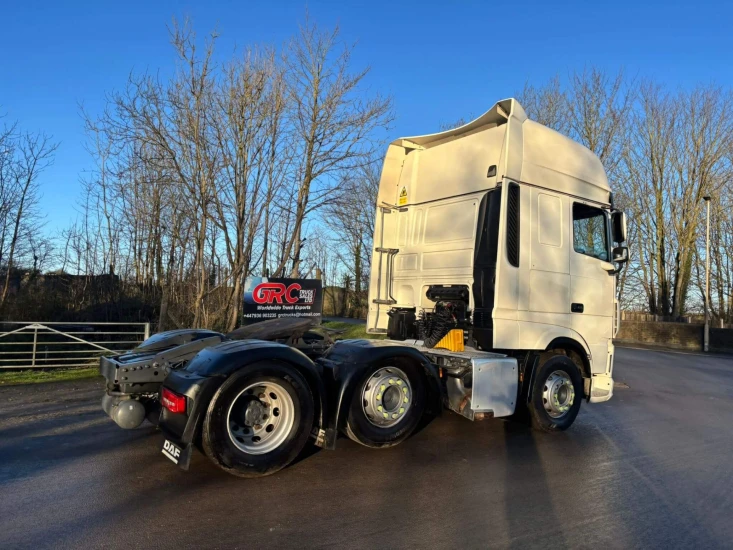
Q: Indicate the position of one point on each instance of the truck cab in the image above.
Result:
(512, 225)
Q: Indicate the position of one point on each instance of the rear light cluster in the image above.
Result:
(172, 401)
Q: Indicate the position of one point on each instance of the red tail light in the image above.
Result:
(172, 401)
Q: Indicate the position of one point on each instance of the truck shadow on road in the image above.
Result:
(525, 476)
(30, 449)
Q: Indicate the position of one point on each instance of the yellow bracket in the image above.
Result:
(453, 341)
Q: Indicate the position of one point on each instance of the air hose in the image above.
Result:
(433, 327)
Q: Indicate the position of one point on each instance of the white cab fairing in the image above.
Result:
(428, 209)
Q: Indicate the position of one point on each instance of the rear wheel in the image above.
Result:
(387, 405)
(259, 421)
(556, 394)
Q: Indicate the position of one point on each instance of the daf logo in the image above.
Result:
(171, 451)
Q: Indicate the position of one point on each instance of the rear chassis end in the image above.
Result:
(133, 379)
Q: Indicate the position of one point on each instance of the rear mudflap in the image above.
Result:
(177, 452)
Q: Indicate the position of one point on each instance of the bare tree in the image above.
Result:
(25, 157)
(248, 109)
(648, 163)
(333, 123)
(172, 121)
(203, 178)
(461, 121)
(701, 166)
(547, 104)
(351, 218)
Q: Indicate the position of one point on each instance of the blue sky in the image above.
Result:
(439, 60)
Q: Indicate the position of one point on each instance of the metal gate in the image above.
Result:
(28, 345)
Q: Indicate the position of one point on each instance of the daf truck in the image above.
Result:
(493, 283)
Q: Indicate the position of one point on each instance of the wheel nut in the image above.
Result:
(258, 426)
(262, 396)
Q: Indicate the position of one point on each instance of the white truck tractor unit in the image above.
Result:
(496, 250)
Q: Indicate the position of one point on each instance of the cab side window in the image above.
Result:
(590, 234)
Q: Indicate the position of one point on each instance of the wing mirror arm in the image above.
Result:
(620, 255)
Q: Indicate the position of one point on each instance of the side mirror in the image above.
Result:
(620, 254)
(618, 225)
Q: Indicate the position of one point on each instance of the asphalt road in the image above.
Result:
(652, 467)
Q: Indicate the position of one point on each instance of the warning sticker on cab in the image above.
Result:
(403, 197)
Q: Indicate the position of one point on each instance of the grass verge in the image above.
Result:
(351, 330)
(12, 378)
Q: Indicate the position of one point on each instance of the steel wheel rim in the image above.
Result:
(558, 394)
(386, 397)
(265, 418)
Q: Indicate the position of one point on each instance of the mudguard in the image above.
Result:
(204, 374)
(172, 338)
(348, 360)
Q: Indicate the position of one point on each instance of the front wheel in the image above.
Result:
(556, 394)
(387, 405)
(259, 420)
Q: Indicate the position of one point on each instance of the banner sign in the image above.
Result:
(268, 298)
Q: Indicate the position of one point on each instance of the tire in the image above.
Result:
(270, 401)
(557, 391)
(363, 426)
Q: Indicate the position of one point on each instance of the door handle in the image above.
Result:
(576, 308)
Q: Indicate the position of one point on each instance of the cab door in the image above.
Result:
(592, 281)
(547, 284)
